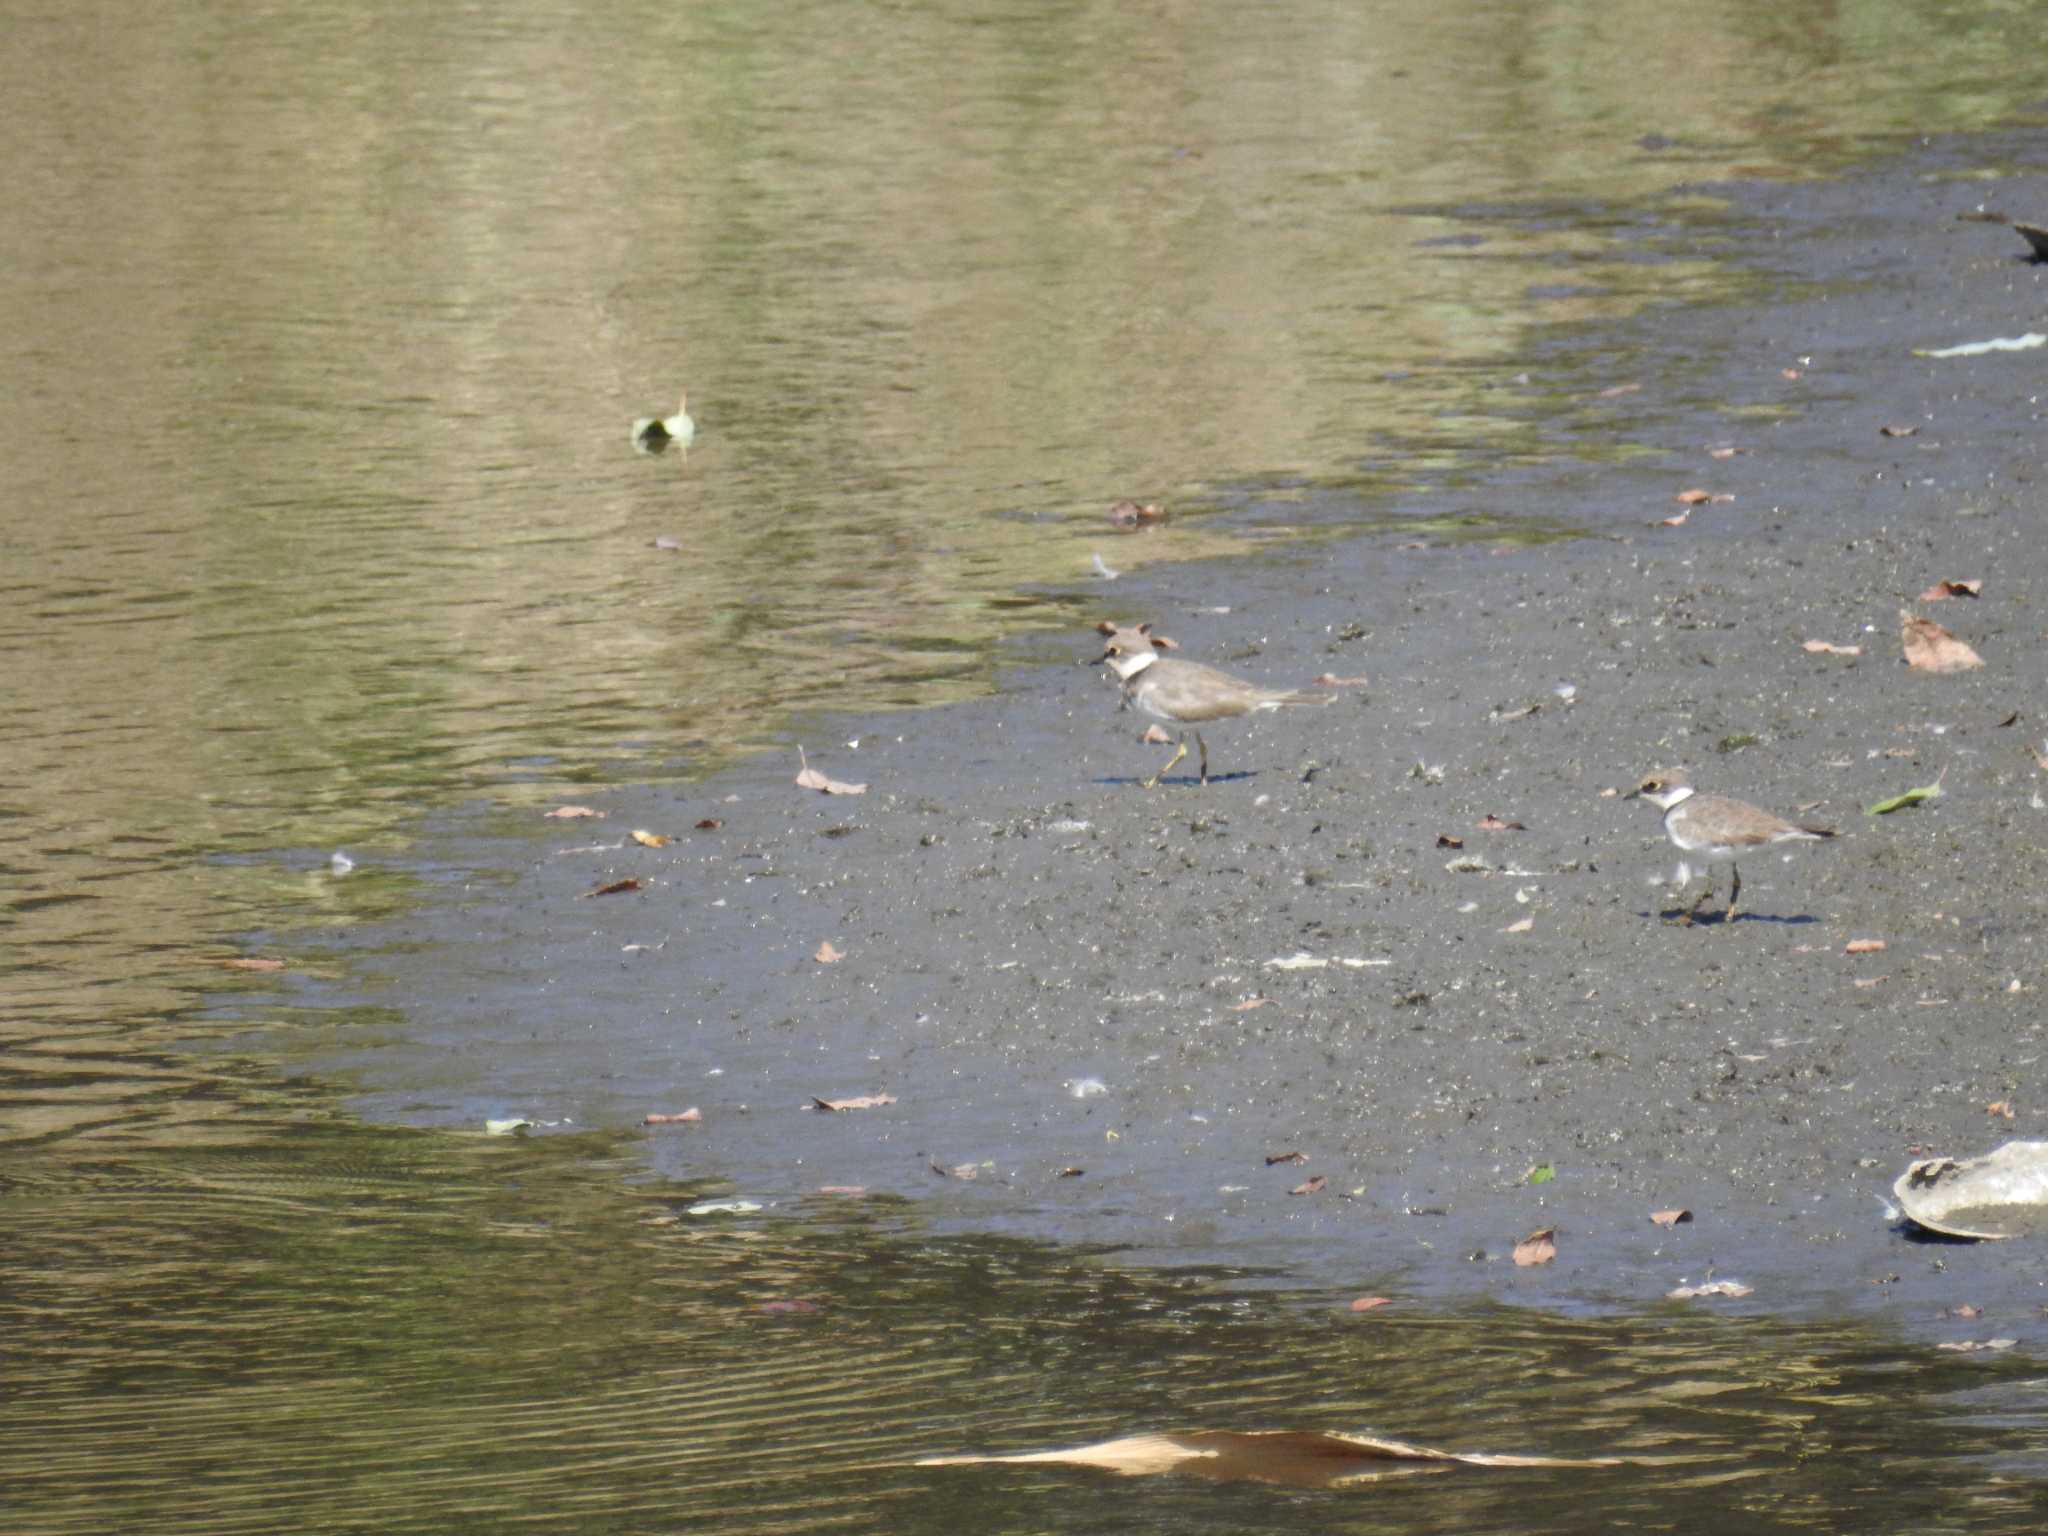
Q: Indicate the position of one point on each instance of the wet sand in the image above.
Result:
(1049, 966)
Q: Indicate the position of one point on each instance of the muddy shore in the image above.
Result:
(1049, 967)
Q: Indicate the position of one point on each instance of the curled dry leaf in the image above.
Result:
(1369, 1303)
(1445, 840)
(1309, 1186)
(1492, 823)
(1129, 514)
(2002, 1108)
(571, 812)
(1072, 1173)
(1930, 648)
(650, 839)
(1286, 1157)
(810, 778)
(1670, 1218)
(710, 824)
(614, 889)
(827, 955)
(1829, 648)
(1693, 497)
(689, 1116)
(1332, 680)
(1900, 429)
(1863, 946)
(1539, 1247)
(865, 1101)
(1155, 737)
(1711, 1288)
(250, 963)
(1942, 591)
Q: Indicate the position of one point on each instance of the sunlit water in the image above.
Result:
(323, 326)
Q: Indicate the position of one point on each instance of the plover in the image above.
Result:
(1185, 692)
(1717, 828)
(653, 434)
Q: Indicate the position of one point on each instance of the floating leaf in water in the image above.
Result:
(1542, 1173)
(1310, 1186)
(1670, 1218)
(650, 839)
(690, 1116)
(865, 1101)
(1539, 1247)
(1371, 1303)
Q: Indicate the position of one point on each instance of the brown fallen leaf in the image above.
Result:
(1286, 1157)
(1332, 680)
(1155, 736)
(1128, 514)
(1670, 1218)
(810, 778)
(1725, 451)
(1899, 430)
(1492, 823)
(571, 812)
(1942, 591)
(1369, 1303)
(689, 1116)
(1072, 1173)
(1445, 840)
(2001, 1108)
(1290, 1458)
(865, 1101)
(1616, 391)
(650, 839)
(1694, 497)
(2011, 719)
(1539, 1247)
(617, 886)
(1863, 946)
(250, 963)
(827, 955)
(1829, 648)
(1678, 521)
(1930, 648)
(709, 824)
(1249, 1004)
(1309, 1186)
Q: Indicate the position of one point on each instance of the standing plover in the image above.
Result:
(1717, 828)
(1185, 692)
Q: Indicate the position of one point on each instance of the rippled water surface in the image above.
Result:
(322, 328)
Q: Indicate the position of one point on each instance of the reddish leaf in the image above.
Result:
(1539, 1247)
(827, 955)
(1129, 514)
(1930, 648)
(1072, 1173)
(1965, 1311)
(689, 1116)
(1368, 1303)
(842, 1189)
(1942, 591)
(1829, 648)
(1309, 1186)
(1670, 1218)
(709, 824)
(1694, 497)
(613, 889)
(2001, 1108)
(1490, 823)
(1678, 521)
(1863, 946)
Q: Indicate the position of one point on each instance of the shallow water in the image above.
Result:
(324, 326)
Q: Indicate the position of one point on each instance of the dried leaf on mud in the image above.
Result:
(1286, 1157)
(1370, 1303)
(1678, 521)
(811, 778)
(1696, 497)
(2002, 1108)
(614, 889)
(1310, 1186)
(1291, 1458)
(1446, 840)
(865, 1101)
(1072, 1173)
(690, 1116)
(1542, 1173)
(1724, 451)
(1901, 429)
(827, 955)
(1829, 648)
(709, 824)
(1863, 946)
(1332, 680)
(1129, 514)
(1155, 737)
(650, 839)
(1539, 1247)
(1930, 648)
(1491, 823)
(1711, 1288)
(1670, 1218)
(571, 812)
(1249, 1004)
(1942, 591)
